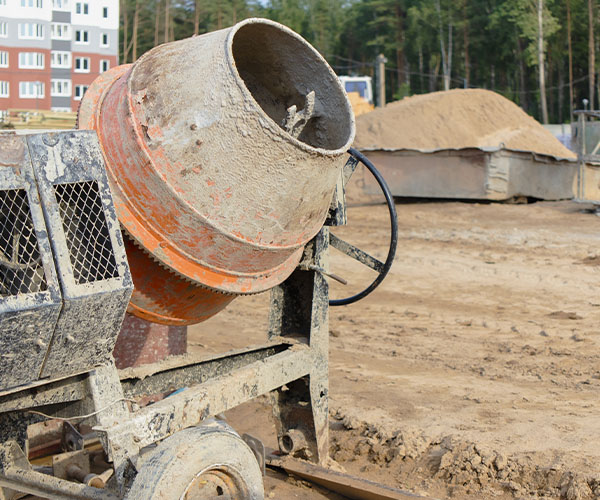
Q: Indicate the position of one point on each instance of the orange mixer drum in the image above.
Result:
(223, 151)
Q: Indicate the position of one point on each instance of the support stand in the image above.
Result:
(292, 366)
(300, 310)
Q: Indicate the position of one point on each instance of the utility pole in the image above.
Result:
(381, 60)
(570, 60)
(542, 72)
(167, 20)
(591, 53)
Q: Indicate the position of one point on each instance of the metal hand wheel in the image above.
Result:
(21, 252)
(356, 253)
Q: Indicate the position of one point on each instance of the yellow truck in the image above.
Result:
(360, 93)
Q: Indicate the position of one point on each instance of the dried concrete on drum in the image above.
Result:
(234, 185)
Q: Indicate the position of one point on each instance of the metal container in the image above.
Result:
(473, 173)
(586, 136)
(30, 299)
(223, 152)
(88, 250)
(64, 278)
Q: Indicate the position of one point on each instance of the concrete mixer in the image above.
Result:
(208, 169)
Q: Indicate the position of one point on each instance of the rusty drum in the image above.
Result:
(223, 151)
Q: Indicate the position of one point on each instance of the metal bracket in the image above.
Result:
(71, 439)
(337, 208)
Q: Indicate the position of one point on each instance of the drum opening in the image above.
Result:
(293, 85)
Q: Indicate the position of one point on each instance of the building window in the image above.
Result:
(81, 8)
(4, 87)
(31, 60)
(82, 65)
(60, 31)
(29, 90)
(104, 40)
(60, 109)
(60, 88)
(104, 12)
(3, 59)
(32, 3)
(104, 65)
(60, 4)
(31, 30)
(3, 29)
(79, 91)
(81, 36)
(60, 59)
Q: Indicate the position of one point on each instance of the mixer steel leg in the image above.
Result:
(300, 310)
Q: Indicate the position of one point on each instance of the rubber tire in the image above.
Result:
(177, 460)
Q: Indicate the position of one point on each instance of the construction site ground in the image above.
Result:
(473, 371)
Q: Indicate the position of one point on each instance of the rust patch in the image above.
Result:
(12, 152)
(191, 170)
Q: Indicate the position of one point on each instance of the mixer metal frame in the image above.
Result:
(292, 365)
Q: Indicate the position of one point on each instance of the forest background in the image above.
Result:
(430, 45)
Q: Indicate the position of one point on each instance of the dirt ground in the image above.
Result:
(474, 370)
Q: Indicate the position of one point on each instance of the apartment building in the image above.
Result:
(52, 50)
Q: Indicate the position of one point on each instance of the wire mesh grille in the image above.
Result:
(86, 231)
(21, 269)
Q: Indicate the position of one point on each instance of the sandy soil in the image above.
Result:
(474, 370)
(455, 119)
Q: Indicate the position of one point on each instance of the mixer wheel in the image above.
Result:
(200, 463)
(382, 268)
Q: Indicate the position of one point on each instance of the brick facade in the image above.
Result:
(14, 75)
(54, 28)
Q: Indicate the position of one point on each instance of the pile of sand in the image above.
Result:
(455, 119)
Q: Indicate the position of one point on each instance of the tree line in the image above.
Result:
(539, 53)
